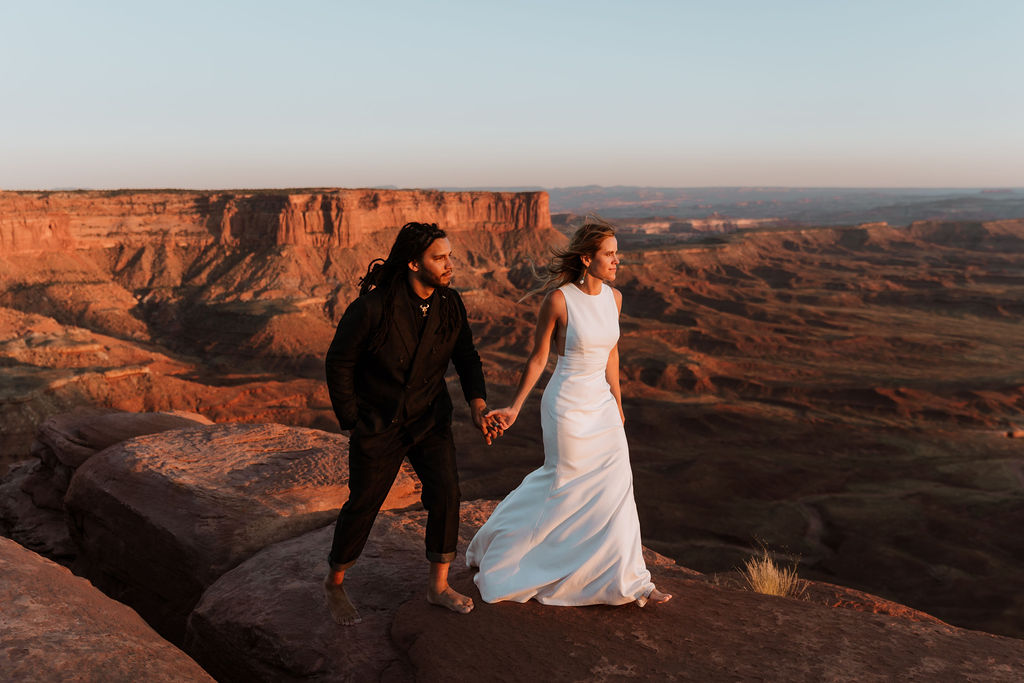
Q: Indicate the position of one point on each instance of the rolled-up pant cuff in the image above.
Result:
(339, 566)
(443, 558)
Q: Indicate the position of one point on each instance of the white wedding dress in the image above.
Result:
(569, 534)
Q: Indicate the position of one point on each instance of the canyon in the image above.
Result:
(841, 394)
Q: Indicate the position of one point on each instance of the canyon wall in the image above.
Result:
(31, 221)
(224, 300)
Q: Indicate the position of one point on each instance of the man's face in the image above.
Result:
(434, 267)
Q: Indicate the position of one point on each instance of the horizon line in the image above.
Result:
(522, 188)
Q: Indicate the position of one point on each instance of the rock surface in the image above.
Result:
(32, 493)
(159, 518)
(72, 438)
(57, 221)
(266, 621)
(55, 626)
(703, 634)
(40, 529)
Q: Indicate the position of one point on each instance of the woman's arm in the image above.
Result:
(611, 372)
(552, 310)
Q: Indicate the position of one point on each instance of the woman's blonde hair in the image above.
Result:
(566, 264)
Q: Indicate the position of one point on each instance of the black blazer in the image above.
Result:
(402, 381)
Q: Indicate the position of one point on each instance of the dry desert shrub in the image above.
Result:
(764, 576)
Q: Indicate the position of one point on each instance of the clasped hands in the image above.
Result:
(493, 423)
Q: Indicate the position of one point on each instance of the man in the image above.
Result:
(385, 375)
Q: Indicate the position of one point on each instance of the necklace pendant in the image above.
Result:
(425, 308)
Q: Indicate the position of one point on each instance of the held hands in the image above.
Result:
(488, 427)
(503, 417)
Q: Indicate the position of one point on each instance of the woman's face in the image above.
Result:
(605, 261)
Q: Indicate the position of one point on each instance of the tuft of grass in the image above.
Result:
(764, 576)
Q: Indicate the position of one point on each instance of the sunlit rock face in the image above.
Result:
(159, 518)
(221, 303)
(32, 494)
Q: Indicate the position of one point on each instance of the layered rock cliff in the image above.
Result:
(32, 221)
(224, 301)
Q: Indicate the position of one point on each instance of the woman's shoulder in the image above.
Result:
(554, 301)
(556, 296)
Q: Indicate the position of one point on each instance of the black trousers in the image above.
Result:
(373, 464)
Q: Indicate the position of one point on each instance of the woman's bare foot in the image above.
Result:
(342, 609)
(655, 596)
(456, 602)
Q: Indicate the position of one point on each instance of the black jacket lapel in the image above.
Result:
(402, 323)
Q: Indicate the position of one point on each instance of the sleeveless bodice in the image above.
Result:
(592, 329)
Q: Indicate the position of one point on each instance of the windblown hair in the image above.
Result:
(389, 274)
(566, 264)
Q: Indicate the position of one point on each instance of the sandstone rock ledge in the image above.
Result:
(159, 518)
(57, 627)
(266, 621)
(32, 493)
(217, 535)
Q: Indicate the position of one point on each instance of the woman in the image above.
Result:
(569, 534)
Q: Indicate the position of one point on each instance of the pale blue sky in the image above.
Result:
(433, 94)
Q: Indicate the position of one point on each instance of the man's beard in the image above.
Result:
(431, 281)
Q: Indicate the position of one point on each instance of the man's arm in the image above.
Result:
(471, 374)
(349, 340)
(467, 360)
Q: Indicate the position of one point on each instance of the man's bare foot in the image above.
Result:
(456, 602)
(655, 596)
(342, 609)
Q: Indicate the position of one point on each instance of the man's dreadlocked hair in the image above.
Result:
(389, 274)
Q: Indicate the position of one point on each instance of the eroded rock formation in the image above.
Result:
(32, 495)
(214, 302)
(57, 627)
(62, 221)
(159, 518)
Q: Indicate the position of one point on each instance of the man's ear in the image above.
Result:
(414, 266)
